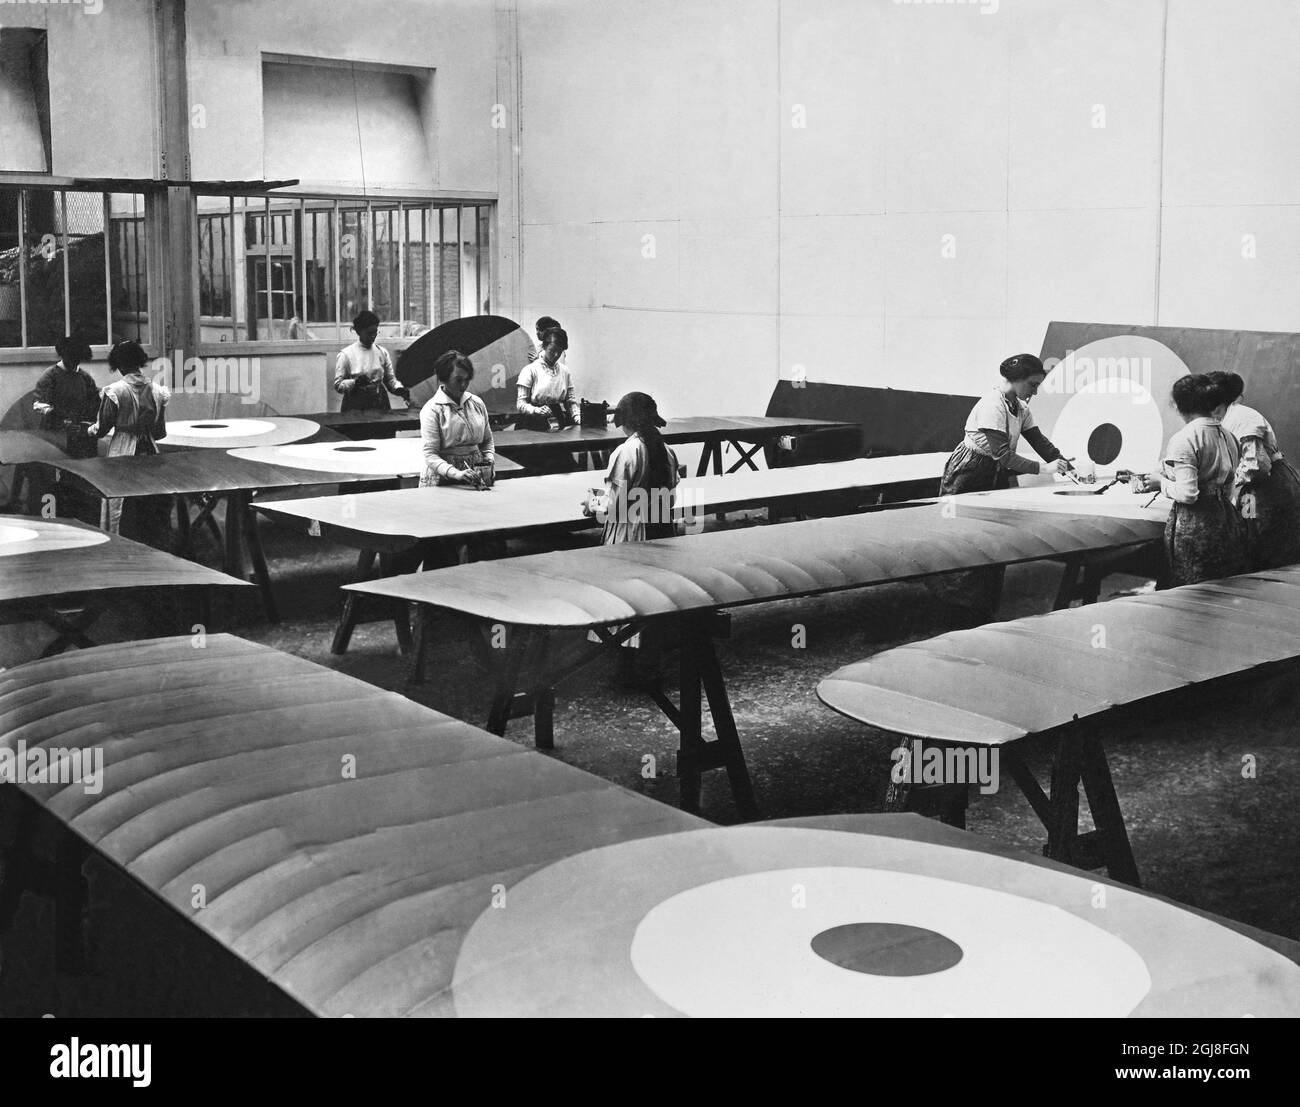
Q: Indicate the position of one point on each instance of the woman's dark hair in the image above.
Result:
(126, 357)
(364, 321)
(1230, 384)
(1021, 367)
(555, 333)
(546, 323)
(448, 364)
(70, 346)
(640, 414)
(1196, 394)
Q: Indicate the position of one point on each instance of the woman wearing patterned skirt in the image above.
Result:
(1269, 486)
(1204, 539)
(986, 460)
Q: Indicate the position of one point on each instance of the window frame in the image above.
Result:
(21, 184)
(396, 207)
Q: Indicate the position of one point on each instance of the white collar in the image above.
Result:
(442, 397)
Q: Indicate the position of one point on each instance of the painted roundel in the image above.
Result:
(1108, 403)
(793, 921)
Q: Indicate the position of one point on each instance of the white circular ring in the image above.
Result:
(742, 947)
(220, 428)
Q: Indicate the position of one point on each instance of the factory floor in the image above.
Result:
(1203, 832)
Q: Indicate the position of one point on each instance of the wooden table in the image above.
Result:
(685, 582)
(382, 895)
(377, 457)
(748, 434)
(22, 449)
(382, 524)
(228, 434)
(209, 477)
(1052, 675)
(368, 424)
(61, 573)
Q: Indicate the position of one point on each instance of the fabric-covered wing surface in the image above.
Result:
(43, 557)
(1004, 681)
(613, 584)
(415, 513)
(352, 895)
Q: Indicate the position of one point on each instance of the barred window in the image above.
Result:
(276, 268)
(72, 262)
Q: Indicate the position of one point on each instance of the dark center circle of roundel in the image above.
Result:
(354, 449)
(886, 949)
(210, 426)
(1105, 443)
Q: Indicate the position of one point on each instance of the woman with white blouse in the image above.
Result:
(1268, 484)
(642, 476)
(1204, 539)
(454, 428)
(986, 458)
(545, 395)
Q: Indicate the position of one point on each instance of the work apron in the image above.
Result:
(128, 440)
(1270, 510)
(1204, 540)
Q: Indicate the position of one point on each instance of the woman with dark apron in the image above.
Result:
(1204, 538)
(985, 460)
(1269, 487)
(134, 411)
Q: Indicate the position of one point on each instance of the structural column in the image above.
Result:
(172, 214)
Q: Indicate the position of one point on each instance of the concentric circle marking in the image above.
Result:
(227, 430)
(743, 945)
(723, 921)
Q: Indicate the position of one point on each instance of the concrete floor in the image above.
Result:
(1202, 833)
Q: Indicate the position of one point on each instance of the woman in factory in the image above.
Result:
(1267, 484)
(986, 458)
(1204, 537)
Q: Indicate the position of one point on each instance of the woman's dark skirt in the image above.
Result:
(1270, 511)
(365, 395)
(1204, 541)
(968, 471)
(976, 592)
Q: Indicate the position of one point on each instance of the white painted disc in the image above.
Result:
(744, 946)
(377, 456)
(16, 540)
(219, 428)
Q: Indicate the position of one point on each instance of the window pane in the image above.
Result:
(484, 254)
(353, 253)
(11, 329)
(417, 270)
(385, 295)
(44, 268)
(318, 258)
(216, 266)
(270, 269)
(127, 282)
(84, 235)
(448, 275)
